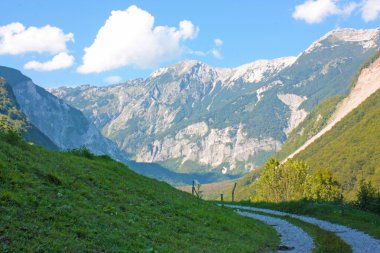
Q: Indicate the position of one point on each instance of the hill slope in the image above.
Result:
(365, 83)
(351, 148)
(65, 202)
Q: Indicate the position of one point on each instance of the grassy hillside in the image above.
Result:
(76, 202)
(351, 148)
(12, 117)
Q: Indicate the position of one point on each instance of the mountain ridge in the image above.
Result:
(187, 119)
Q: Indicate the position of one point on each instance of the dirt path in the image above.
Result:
(359, 241)
(293, 239)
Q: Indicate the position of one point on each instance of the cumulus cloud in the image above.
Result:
(60, 61)
(129, 37)
(112, 79)
(315, 11)
(370, 10)
(16, 39)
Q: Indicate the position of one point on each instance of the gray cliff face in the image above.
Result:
(192, 117)
(64, 125)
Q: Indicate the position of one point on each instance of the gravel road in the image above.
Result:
(292, 237)
(359, 241)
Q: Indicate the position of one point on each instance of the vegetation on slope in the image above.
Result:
(78, 202)
(351, 148)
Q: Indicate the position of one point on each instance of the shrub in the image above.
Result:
(83, 152)
(12, 137)
(367, 197)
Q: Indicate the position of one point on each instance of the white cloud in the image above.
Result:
(218, 42)
(129, 37)
(216, 53)
(16, 39)
(315, 11)
(113, 79)
(370, 10)
(60, 61)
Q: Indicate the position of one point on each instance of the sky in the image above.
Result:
(101, 42)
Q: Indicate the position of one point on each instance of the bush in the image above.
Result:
(368, 198)
(83, 152)
(12, 137)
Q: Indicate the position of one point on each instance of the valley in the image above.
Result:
(184, 126)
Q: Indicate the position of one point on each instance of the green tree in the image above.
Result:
(283, 182)
(366, 195)
(322, 186)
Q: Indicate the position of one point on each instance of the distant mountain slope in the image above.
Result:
(194, 118)
(68, 128)
(64, 125)
(11, 117)
(62, 202)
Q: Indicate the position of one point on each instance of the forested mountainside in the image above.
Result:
(330, 111)
(350, 149)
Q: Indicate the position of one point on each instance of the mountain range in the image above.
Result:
(190, 117)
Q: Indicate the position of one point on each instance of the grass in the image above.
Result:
(212, 191)
(364, 221)
(64, 202)
(324, 241)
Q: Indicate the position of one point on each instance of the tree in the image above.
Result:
(281, 182)
(366, 195)
(290, 181)
(322, 186)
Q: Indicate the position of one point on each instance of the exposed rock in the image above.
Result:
(296, 115)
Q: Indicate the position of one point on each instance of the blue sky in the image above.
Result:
(220, 33)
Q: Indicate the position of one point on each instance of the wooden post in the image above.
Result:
(341, 204)
(233, 192)
(193, 188)
(221, 197)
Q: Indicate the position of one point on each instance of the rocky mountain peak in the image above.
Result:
(367, 38)
(254, 72)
